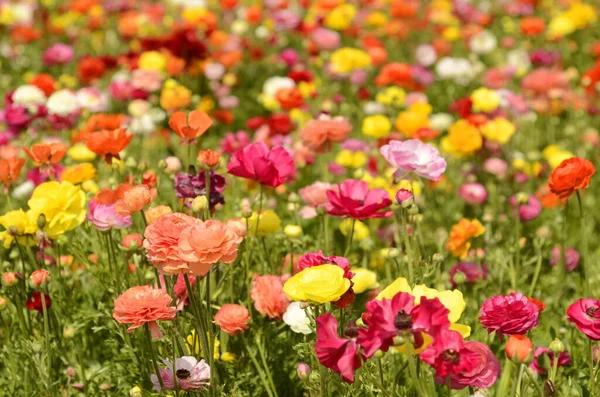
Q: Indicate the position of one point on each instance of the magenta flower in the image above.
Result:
(403, 196)
(414, 156)
(399, 316)
(234, 141)
(339, 354)
(467, 272)
(483, 374)
(312, 259)
(509, 315)
(448, 354)
(189, 374)
(104, 217)
(355, 200)
(538, 363)
(585, 314)
(58, 54)
(529, 210)
(270, 167)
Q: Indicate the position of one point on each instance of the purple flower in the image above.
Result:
(571, 257)
(190, 374)
(104, 217)
(192, 186)
(58, 54)
(414, 156)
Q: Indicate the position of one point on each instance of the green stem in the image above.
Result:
(412, 369)
(537, 387)
(516, 389)
(258, 368)
(265, 365)
(153, 356)
(47, 342)
(407, 247)
(586, 258)
(536, 274)
(350, 237)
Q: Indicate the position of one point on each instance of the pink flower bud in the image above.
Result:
(303, 371)
(39, 277)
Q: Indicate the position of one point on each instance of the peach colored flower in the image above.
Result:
(154, 213)
(314, 195)
(161, 242)
(268, 296)
(144, 304)
(319, 134)
(238, 226)
(134, 199)
(232, 318)
(203, 244)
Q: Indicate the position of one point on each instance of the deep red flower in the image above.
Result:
(34, 302)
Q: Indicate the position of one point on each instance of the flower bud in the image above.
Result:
(519, 349)
(522, 198)
(404, 196)
(172, 165)
(437, 258)
(135, 392)
(2, 303)
(200, 203)
(9, 279)
(71, 372)
(130, 163)
(292, 231)
(208, 158)
(413, 209)
(557, 346)
(132, 241)
(39, 277)
(393, 253)
(68, 332)
(303, 371)
(105, 387)
(41, 222)
(149, 275)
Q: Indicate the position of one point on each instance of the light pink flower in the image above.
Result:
(104, 217)
(473, 193)
(414, 156)
(314, 196)
(191, 374)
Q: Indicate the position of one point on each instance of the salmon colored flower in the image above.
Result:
(519, 348)
(268, 296)
(135, 199)
(319, 134)
(144, 305)
(571, 175)
(46, 153)
(108, 144)
(232, 319)
(160, 241)
(10, 170)
(208, 158)
(191, 126)
(203, 244)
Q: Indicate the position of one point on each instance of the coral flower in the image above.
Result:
(448, 354)
(571, 175)
(191, 127)
(144, 305)
(395, 73)
(268, 296)
(519, 348)
(269, 167)
(414, 156)
(46, 153)
(318, 134)
(232, 319)
(203, 244)
(314, 196)
(160, 241)
(585, 314)
(135, 199)
(108, 144)
(355, 200)
(509, 315)
(339, 354)
(9, 171)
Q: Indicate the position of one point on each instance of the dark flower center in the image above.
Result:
(351, 330)
(403, 320)
(593, 312)
(450, 355)
(182, 373)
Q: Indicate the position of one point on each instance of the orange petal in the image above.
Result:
(199, 121)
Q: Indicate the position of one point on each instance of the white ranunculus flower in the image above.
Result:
(274, 84)
(92, 99)
(519, 59)
(440, 121)
(23, 191)
(29, 96)
(143, 125)
(62, 103)
(373, 107)
(297, 319)
(483, 42)
(426, 55)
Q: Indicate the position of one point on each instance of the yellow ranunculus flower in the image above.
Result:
(348, 59)
(391, 96)
(152, 60)
(80, 152)
(485, 100)
(350, 159)
(23, 224)
(361, 231)
(228, 357)
(463, 139)
(410, 121)
(340, 17)
(268, 222)
(320, 284)
(377, 18)
(377, 126)
(364, 280)
(62, 204)
(498, 130)
(79, 173)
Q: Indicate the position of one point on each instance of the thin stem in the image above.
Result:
(536, 274)
(264, 361)
(153, 357)
(381, 381)
(407, 247)
(258, 368)
(350, 237)
(537, 387)
(586, 258)
(47, 342)
(412, 368)
(516, 389)
(448, 386)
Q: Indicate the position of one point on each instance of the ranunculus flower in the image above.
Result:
(509, 315)
(232, 318)
(268, 297)
(35, 301)
(320, 284)
(529, 210)
(295, 317)
(104, 217)
(473, 193)
(191, 374)
(355, 200)
(314, 195)
(414, 156)
(542, 352)
(448, 354)
(135, 199)
(319, 134)
(161, 239)
(470, 272)
(519, 348)
(58, 54)
(270, 167)
(144, 304)
(585, 314)
(483, 374)
(571, 257)
(571, 175)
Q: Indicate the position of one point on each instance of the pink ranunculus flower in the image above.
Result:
(470, 272)
(537, 364)
(448, 354)
(144, 304)
(338, 354)
(270, 167)
(355, 200)
(58, 54)
(268, 296)
(414, 156)
(104, 217)
(585, 314)
(484, 373)
(473, 193)
(571, 257)
(147, 80)
(496, 166)
(314, 195)
(232, 318)
(326, 39)
(202, 244)
(191, 374)
(161, 240)
(529, 210)
(509, 315)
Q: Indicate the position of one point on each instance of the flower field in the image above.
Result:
(287, 198)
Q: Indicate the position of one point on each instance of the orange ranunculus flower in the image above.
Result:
(547, 198)
(44, 82)
(90, 69)
(98, 122)
(10, 170)
(191, 127)
(289, 98)
(209, 158)
(461, 234)
(46, 153)
(532, 26)
(108, 144)
(395, 73)
(519, 348)
(571, 175)
(109, 196)
(135, 199)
